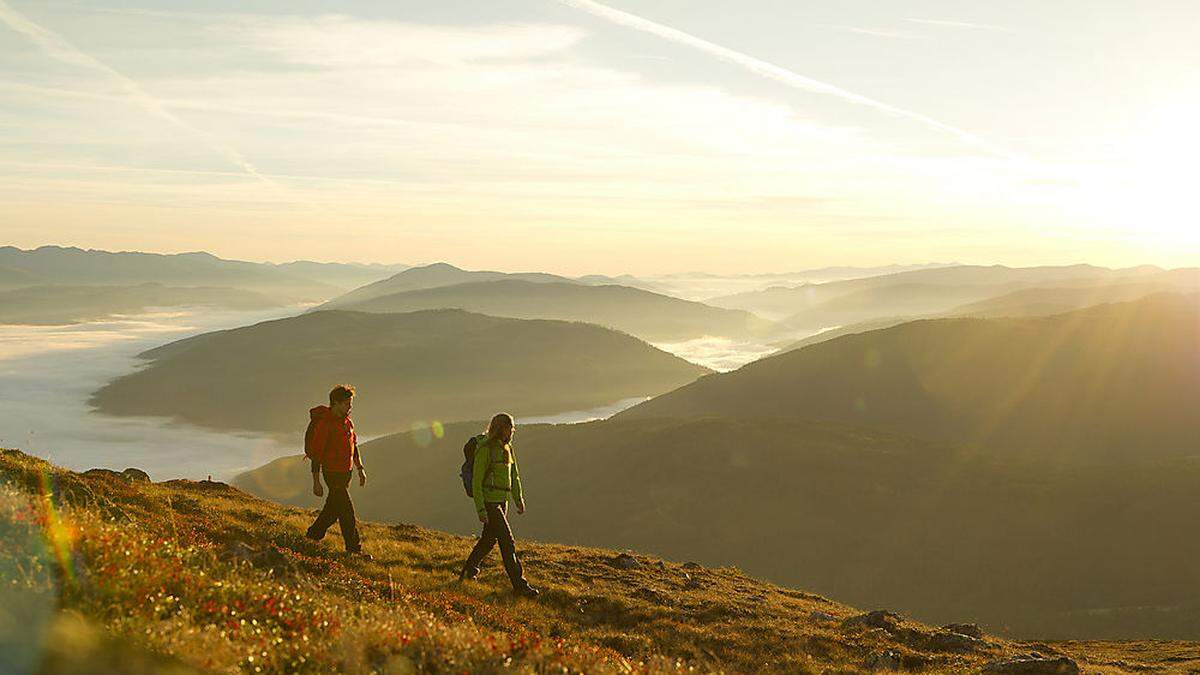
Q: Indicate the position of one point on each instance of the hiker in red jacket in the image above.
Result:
(333, 448)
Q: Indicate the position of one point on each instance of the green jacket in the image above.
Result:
(494, 475)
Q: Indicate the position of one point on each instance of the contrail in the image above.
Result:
(774, 72)
(59, 48)
(959, 24)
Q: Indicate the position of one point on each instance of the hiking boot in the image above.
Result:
(526, 591)
(468, 574)
(360, 555)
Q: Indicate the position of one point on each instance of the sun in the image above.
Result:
(1152, 189)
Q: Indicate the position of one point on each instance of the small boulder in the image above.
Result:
(103, 472)
(136, 475)
(1028, 665)
(888, 660)
(823, 617)
(968, 629)
(624, 561)
(879, 618)
(689, 565)
(946, 641)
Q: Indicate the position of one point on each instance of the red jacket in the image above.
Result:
(333, 440)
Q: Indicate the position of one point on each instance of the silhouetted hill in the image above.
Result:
(431, 276)
(1039, 301)
(1047, 301)
(624, 280)
(648, 315)
(341, 275)
(416, 367)
(196, 575)
(944, 532)
(1105, 383)
(792, 301)
(79, 267)
(72, 304)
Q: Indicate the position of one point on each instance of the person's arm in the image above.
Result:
(480, 467)
(362, 472)
(517, 493)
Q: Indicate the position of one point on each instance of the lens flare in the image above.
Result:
(422, 434)
(60, 535)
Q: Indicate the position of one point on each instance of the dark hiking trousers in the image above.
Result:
(338, 507)
(496, 530)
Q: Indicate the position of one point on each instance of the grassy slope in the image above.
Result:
(648, 315)
(207, 576)
(868, 517)
(51, 305)
(436, 365)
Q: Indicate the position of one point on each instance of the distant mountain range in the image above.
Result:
(298, 281)
(420, 367)
(648, 315)
(926, 290)
(72, 304)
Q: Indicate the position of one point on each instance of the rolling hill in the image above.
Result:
(416, 367)
(1113, 382)
(647, 315)
(942, 532)
(431, 276)
(187, 576)
(48, 305)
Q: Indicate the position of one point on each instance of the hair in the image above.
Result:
(500, 422)
(342, 392)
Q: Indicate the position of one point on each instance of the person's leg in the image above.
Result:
(326, 517)
(482, 547)
(508, 547)
(345, 511)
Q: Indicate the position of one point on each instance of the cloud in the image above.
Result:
(59, 48)
(339, 41)
(774, 72)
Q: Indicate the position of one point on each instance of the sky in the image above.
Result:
(572, 136)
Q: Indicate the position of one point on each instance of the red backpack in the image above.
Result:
(312, 450)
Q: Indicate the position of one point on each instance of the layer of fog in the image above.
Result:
(49, 372)
(589, 415)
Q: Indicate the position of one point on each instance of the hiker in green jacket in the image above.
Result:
(494, 477)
